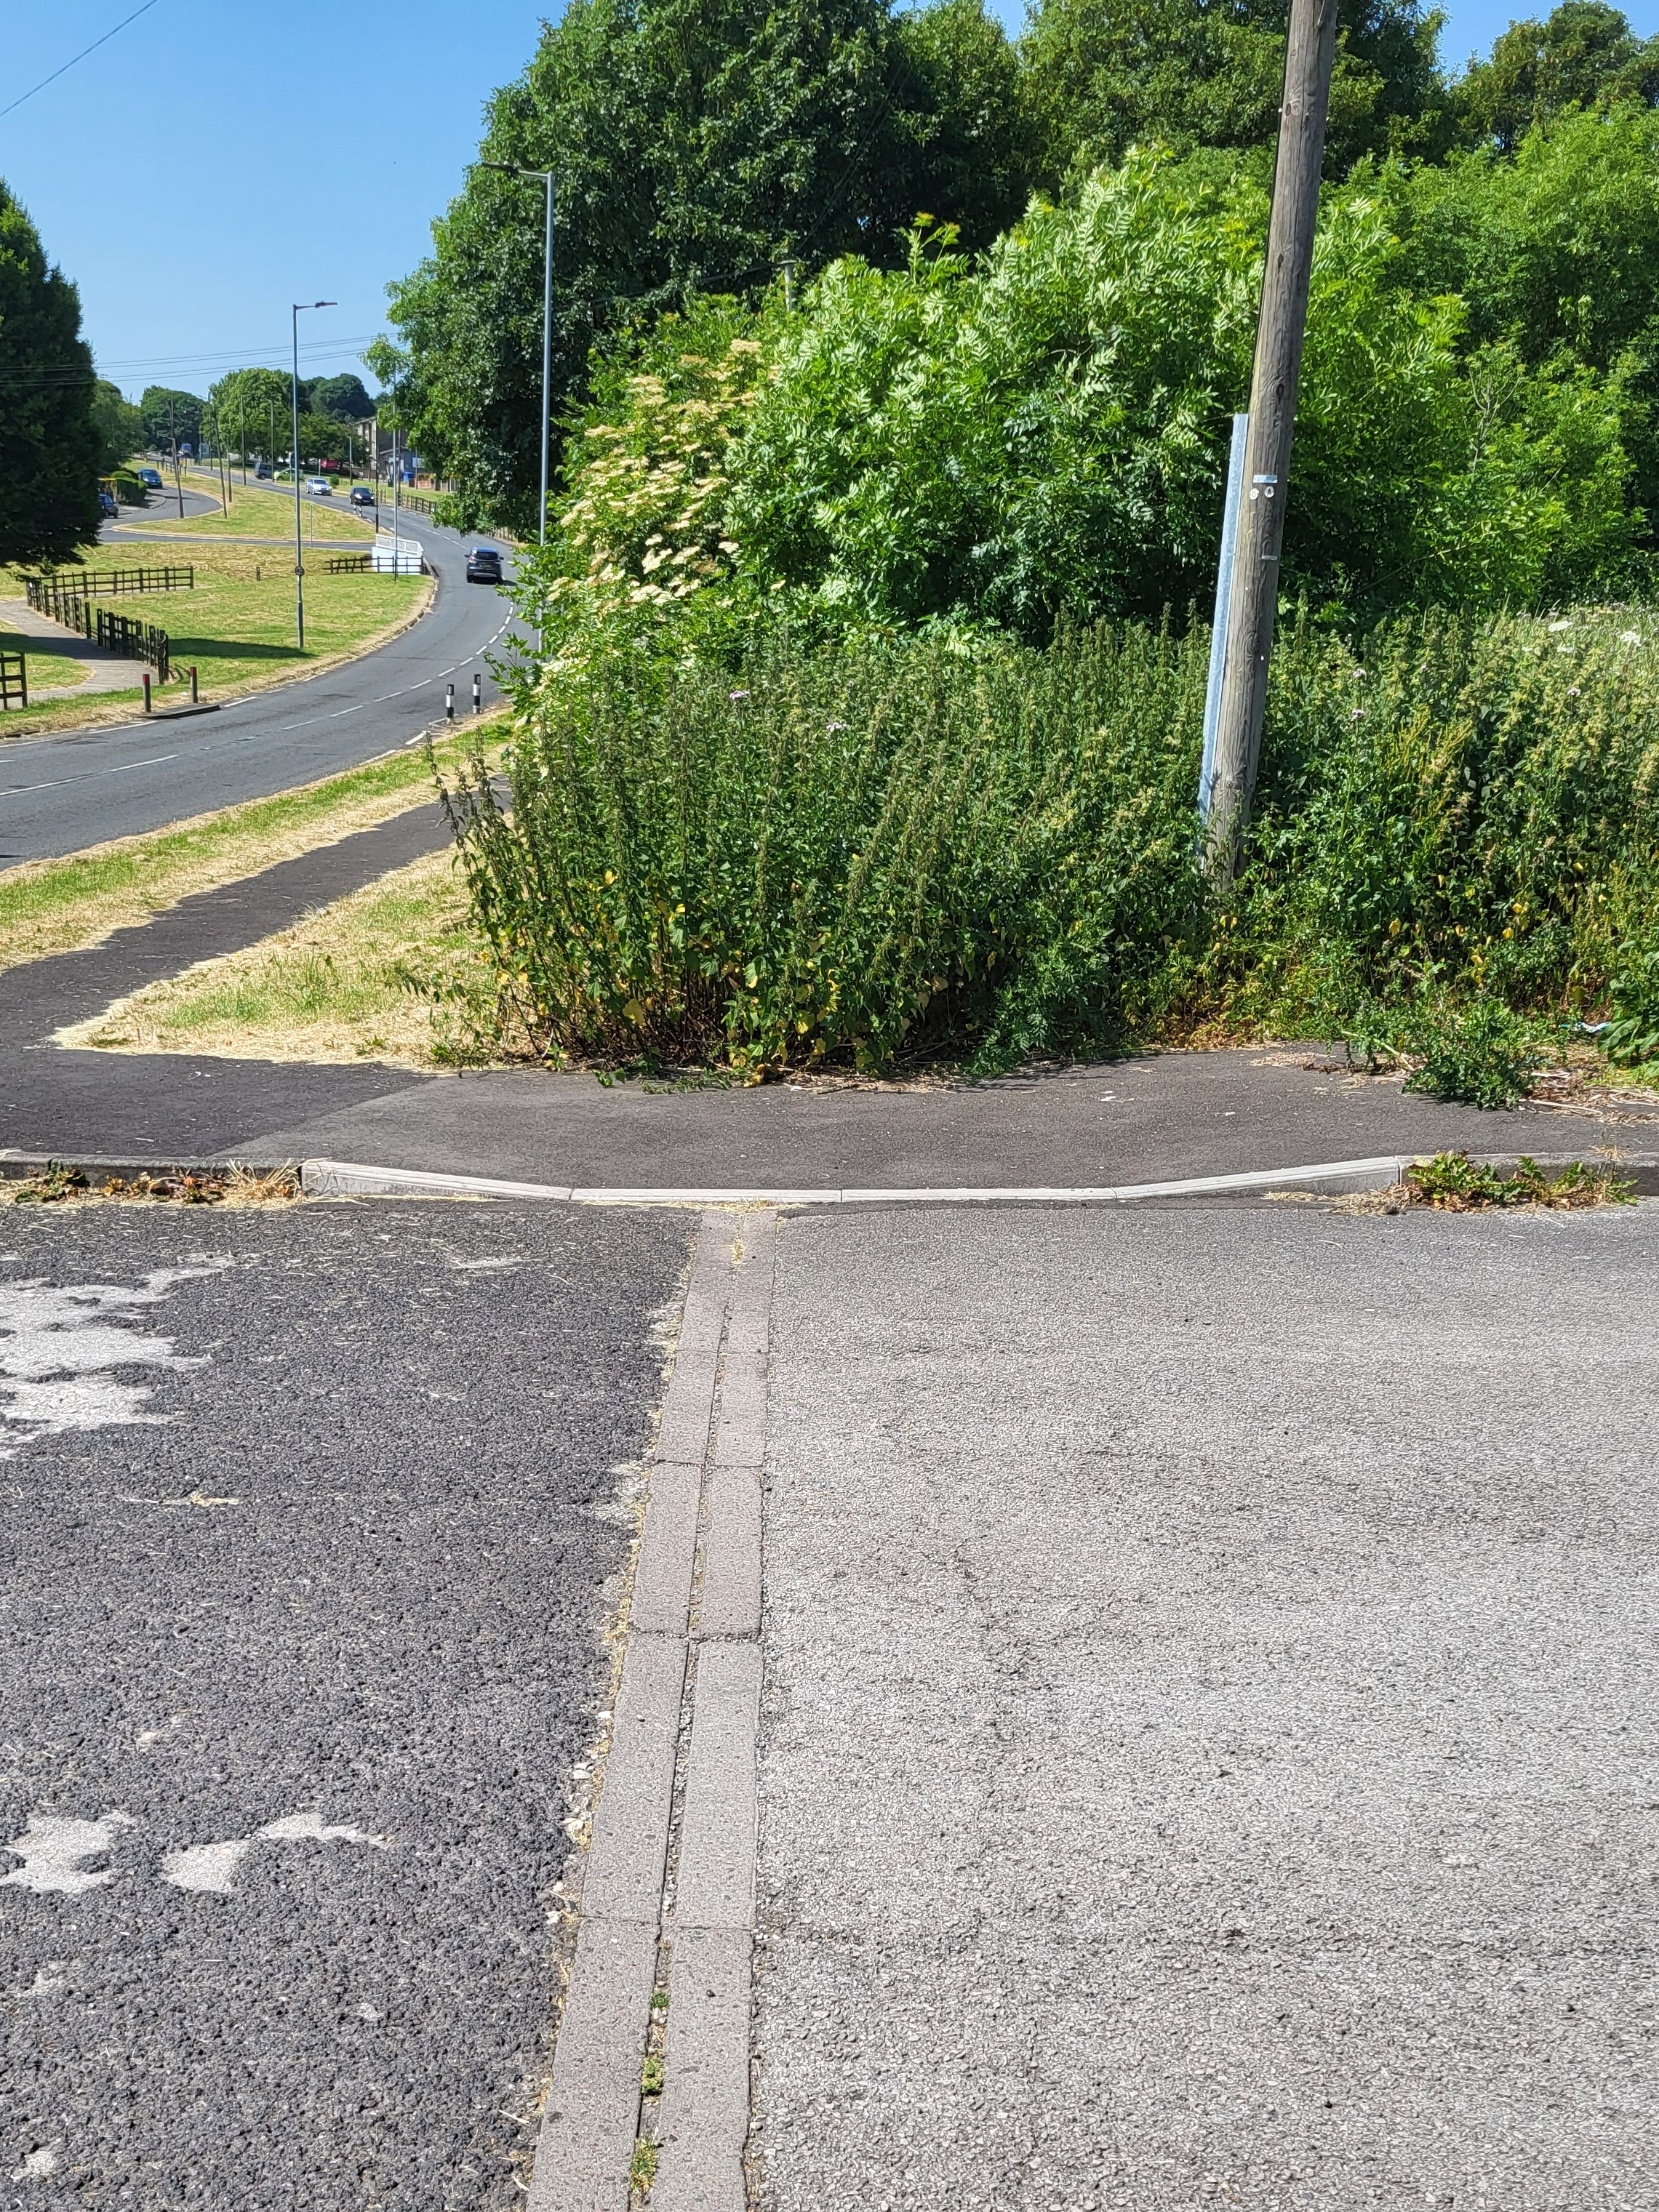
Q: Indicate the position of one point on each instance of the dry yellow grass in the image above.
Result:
(65, 905)
(392, 973)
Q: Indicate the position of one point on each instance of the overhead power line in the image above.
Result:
(81, 57)
(196, 365)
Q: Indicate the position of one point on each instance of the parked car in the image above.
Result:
(108, 507)
(484, 565)
(319, 487)
(263, 469)
(152, 477)
(364, 496)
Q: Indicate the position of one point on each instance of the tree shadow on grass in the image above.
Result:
(231, 648)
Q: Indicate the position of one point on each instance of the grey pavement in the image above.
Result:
(73, 789)
(1161, 1116)
(311, 1522)
(50, 651)
(107, 1105)
(1211, 1738)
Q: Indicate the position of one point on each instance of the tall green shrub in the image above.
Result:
(1042, 436)
(856, 850)
(1457, 807)
(847, 852)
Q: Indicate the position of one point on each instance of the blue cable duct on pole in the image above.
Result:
(1223, 599)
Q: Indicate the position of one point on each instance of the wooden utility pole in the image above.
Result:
(1310, 54)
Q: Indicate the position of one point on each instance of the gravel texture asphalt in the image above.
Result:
(1211, 1750)
(119, 1105)
(312, 1524)
(61, 792)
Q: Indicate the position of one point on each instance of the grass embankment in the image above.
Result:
(48, 906)
(236, 625)
(256, 510)
(396, 972)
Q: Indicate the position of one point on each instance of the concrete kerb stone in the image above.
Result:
(590, 2126)
(625, 1943)
(704, 2122)
(334, 1178)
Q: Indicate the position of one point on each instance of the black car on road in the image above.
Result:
(364, 496)
(484, 565)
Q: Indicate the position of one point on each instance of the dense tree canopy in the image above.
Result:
(1553, 252)
(1041, 436)
(49, 438)
(695, 143)
(168, 414)
(1585, 55)
(120, 426)
(1098, 80)
(253, 408)
(343, 396)
(1511, 217)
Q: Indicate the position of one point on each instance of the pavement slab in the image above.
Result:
(313, 1521)
(1211, 1749)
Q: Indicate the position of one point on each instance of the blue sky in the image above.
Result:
(212, 162)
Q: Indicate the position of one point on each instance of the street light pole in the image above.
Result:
(300, 307)
(512, 169)
(173, 433)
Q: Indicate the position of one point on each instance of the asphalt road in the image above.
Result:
(61, 792)
(310, 1524)
(1212, 1752)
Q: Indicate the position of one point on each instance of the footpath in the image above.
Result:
(1146, 1707)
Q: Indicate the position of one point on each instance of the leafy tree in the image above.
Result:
(167, 415)
(49, 438)
(322, 438)
(1555, 249)
(253, 408)
(1583, 55)
(342, 396)
(1042, 436)
(120, 426)
(695, 142)
(1192, 73)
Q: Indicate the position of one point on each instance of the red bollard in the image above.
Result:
(147, 705)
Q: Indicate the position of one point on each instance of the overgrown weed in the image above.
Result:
(808, 855)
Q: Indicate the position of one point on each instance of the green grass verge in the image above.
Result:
(397, 972)
(256, 511)
(48, 906)
(236, 625)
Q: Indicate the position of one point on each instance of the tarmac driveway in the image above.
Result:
(310, 1524)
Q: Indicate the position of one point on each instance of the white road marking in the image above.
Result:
(206, 1867)
(38, 2165)
(250, 737)
(59, 1349)
(51, 1850)
(211, 1869)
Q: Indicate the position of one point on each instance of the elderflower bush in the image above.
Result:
(644, 530)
